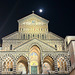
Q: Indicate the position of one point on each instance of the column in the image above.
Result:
(41, 66)
(55, 64)
(28, 67)
(14, 67)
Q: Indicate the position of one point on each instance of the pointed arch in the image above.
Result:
(7, 64)
(22, 65)
(61, 64)
(35, 59)
(49, 61)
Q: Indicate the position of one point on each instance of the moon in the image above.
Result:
(40, 10)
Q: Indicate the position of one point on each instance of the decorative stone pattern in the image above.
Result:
(33, 31)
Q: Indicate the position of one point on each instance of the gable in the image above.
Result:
(32, 17)
(33, 24)
(26, 46)
(54, 36)
(14, 35)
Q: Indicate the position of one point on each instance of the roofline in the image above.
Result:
(31, 40)
(33, 14)
(9, 35)
(56, 35)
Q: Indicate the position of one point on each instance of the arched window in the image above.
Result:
(42, 36)
(24, 36)
(62, 65)
(10, 47)
(56, 47)
(7, 64)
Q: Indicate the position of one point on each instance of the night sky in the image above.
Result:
(60, 13)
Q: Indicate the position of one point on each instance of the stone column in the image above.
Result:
(41, 66)
(68, 65)
(55, 66)
(14, 67)
(28, 67)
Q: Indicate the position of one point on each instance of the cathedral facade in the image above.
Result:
(34, 50)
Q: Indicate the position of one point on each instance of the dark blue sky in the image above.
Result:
(60, 13)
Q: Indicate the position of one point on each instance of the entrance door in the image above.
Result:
(33, 69)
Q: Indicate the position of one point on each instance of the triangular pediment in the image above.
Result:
(31, 18)
(27, 45)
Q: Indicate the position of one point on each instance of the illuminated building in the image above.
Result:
(34, 50)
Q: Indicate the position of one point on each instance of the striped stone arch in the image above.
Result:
(8, 55)
(65, 58)
(61, 55)
(48, 62)
(22, 60)
(48, 55)
(33, 45)
(8, 60)
(18, 56)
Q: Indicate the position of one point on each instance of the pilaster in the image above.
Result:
(55, 66)
(14, 67)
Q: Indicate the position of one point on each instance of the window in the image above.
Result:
(28, 36)
(24, 36)
(42, 36)
(61, 64)
(10, 47)
(56, 47)
(7, 64)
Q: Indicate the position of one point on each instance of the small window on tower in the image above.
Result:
(24, 36)
(42, 36)
(56, 47)
(10, 47)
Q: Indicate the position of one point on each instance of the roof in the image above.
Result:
(34, 16)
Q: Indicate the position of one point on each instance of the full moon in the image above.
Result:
(40, 10)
